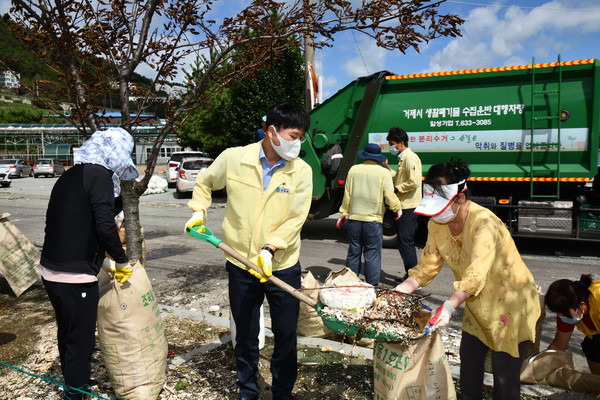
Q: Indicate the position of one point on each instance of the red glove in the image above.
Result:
(442, 315)
(340, 222)
(398, 215)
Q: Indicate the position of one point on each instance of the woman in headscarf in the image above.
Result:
(500, 296)
(80, 229)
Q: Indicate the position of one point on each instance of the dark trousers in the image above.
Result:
(406, 240)
(75, 307)
(246, 295)
(507, 369)
(365, 238)
(591, 348)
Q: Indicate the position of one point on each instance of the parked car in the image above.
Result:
(174, 162)
(187, 171)
(17, 166)
(5, 176)
(47, 167)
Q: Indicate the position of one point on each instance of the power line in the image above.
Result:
(522, 7)
(360, 52)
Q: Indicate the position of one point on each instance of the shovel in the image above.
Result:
(203, 233)
(341, 327)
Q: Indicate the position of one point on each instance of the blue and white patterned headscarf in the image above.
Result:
(112, 149)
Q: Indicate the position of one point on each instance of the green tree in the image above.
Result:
(232, 117)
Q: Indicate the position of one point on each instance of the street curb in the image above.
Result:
(344, 348)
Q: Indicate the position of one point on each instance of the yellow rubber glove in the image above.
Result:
(264, 262)
(119, 271)
(123, 272)
(197, 219)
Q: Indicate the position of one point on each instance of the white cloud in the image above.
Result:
(328, 83)
(494, 36)
(368, 58)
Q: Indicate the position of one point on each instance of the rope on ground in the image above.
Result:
(53, 381)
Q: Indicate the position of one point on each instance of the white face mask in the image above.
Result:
(446, 216)
(287, 149)
(394, 151)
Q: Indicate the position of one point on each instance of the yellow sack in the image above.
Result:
(341, 277)
(19, 258)
(556, 368)
(415, 370)
(310, 324)
(132, 336)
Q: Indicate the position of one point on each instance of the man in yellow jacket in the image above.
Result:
(368, 188)
(407, 184)
(269, 191)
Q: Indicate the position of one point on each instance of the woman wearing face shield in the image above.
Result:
(577, 304)
(500, 296)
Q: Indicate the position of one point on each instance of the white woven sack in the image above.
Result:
(348, 296)
(19, 258)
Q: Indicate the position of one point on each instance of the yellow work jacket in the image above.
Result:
(367, 186)
(254, 217)
(594, 310)
(408, 179)
(504, 306)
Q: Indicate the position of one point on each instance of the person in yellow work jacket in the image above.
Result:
(269, 191)
(501, 300)
(368, 185)
(407, 184)
(577, 304)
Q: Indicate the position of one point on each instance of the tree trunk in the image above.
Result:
(131, 209)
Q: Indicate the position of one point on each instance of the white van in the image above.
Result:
(175, 160)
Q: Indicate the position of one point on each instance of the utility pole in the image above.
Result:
(309, 59)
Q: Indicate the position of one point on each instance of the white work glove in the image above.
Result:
(119, 271)
(398, 215)
(264, 261)
(197, 219)
(442, 315)
(401, 289)
(340, 222)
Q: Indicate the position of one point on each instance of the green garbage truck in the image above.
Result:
(529, 132)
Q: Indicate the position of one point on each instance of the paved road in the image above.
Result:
(170, 253)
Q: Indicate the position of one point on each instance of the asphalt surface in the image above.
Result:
(323, 248)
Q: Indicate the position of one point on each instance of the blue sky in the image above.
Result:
(495, 33)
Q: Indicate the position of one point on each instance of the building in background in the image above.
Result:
(61, 141)
(9, 80)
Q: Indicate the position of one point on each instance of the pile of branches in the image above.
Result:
(392, 316)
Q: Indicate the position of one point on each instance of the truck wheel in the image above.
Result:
(390, 230)
(177, 194)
